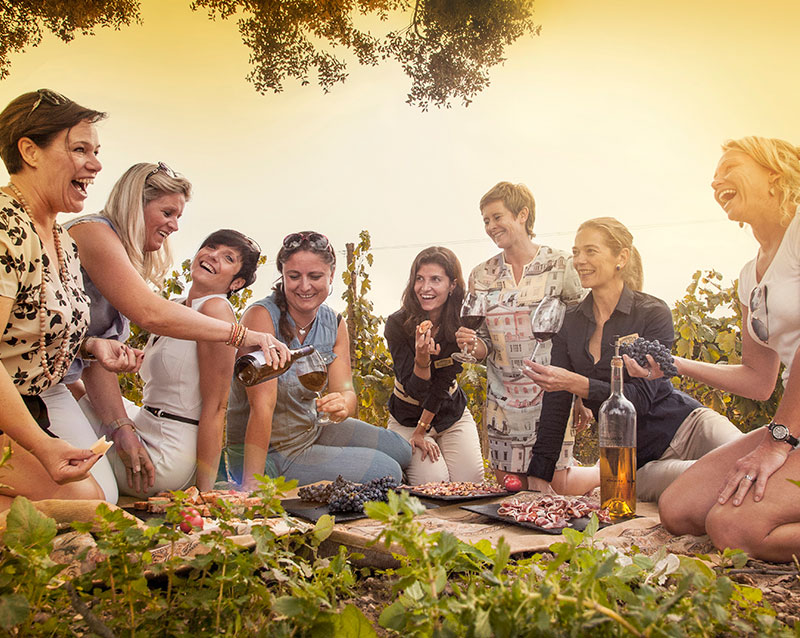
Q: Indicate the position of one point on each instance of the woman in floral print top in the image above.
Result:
(49, 146)
(514, 282)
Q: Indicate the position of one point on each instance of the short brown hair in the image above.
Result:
(40, 116)
(515, 197)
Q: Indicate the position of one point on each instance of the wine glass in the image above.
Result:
(312, 373)
(547, 320)
(473, 312)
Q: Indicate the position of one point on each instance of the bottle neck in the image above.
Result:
(616, 376)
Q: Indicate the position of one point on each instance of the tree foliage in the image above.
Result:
(447, 46)
(23, 22)
(708, 326)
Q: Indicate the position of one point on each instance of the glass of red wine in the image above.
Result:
(546, 320)
(312, 373)
(473, 312)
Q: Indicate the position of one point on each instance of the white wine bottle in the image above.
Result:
(617, 433)
(252, 369)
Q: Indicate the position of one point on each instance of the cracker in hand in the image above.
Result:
(101, 446)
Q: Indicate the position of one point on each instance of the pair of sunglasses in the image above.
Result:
(317, 241)
(759, 318)
(161, 166)
(48, 97)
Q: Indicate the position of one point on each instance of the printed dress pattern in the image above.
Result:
(513, 401)
(22, 259)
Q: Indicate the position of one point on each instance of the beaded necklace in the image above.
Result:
(60, 363)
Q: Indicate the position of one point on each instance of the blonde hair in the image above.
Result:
(780, 157)
(138, 186)
(619, 237)
(515, 197)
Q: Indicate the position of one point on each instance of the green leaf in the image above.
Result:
(323, 528)
(288, 606)
(351, 623)
(393, 617)
(28, 527)
(13, 610)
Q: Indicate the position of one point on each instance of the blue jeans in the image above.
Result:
(358, 451)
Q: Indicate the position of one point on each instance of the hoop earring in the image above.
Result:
(772, 191)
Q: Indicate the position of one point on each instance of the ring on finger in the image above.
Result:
(749, 478)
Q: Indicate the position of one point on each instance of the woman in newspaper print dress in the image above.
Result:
(514, 282)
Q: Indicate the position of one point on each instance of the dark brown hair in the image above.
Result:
(248, 251)
(285, 329)
(40, 116)
(450, 317)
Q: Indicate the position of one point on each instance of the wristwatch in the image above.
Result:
(781, 433)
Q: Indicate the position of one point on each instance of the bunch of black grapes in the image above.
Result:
(346, 496)
(639, 349)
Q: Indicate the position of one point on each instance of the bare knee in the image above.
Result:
(675, 512)
(726, 529)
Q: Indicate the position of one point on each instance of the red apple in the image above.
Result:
(512, 483)
(191, 520)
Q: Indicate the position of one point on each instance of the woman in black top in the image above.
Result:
(427, 407)
(673, 430)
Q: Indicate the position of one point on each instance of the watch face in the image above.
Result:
(779, 432)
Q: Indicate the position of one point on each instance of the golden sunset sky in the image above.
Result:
(618, 108)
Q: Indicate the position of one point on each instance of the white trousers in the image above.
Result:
(171, 445)
(68, 422)
(460, 460)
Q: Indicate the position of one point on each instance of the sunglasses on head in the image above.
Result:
(161, 166)
(317, 241)
(50, 97)
(759, 317)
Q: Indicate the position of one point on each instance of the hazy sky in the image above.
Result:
(617, 108)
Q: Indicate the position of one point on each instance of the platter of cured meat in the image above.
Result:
(156, 506)
(545, 513)
(454, 491)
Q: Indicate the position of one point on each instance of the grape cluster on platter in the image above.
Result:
(639, 349)
(346, 496)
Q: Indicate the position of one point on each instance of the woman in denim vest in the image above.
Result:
(281, 416)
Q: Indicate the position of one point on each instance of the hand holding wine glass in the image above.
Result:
(312, 373)
(473, 312)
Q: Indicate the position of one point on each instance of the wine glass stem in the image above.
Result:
(535, 348)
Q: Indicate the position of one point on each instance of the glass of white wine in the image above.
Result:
(312, 373)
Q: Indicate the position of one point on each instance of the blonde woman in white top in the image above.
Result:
(741, 494)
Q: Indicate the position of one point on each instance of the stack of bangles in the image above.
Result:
(238, 334)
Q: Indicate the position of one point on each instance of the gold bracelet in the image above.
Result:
(116, 424)
(426, 426)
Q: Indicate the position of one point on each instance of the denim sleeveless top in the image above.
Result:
(294, 424)
(105, 320)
